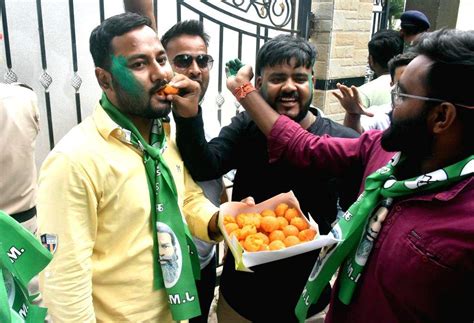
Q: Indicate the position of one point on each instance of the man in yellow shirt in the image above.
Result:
(112, 181)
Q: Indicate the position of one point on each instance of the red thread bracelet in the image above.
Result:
(241, 92)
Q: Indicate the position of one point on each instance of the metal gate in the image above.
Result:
(237, 28)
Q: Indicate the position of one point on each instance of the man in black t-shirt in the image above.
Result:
(284, 78)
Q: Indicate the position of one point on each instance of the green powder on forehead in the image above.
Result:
(124, 77)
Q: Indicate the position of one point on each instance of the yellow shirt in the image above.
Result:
(93, 195)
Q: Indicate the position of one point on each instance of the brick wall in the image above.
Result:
(341, 33)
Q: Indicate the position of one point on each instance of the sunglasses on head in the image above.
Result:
(185, 60)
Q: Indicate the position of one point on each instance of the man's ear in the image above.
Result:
(443, 117)
(258, 82)
(104, 78)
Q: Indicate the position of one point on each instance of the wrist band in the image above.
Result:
(241, 92)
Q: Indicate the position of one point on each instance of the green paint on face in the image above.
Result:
(124, 77)
(311, 88)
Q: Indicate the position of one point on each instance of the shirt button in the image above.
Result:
(398, 208)
(389, 221)
(425, 259)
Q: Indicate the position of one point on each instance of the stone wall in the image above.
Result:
(341, 31)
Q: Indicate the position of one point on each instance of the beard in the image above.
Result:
(170, 268)
(139, 104)
(409, 136)
(304, 107)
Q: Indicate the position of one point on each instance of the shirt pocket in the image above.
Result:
(426, 250)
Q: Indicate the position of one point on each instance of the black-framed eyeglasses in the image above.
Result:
(185, 60)
(397, 98)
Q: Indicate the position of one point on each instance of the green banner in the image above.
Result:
(21, 258)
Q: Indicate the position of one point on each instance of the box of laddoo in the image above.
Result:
(271, 230)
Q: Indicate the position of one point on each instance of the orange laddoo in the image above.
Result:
(300, 223)
(291, 230)
(247, 230)
(228, 219)
(229, 227)
(264, 247)
(244, 219)
(281, 209)
(269, 223)
(277, 235)
(291, 213)
(253, 242)
(235, 233)
(307, 234)
(291, 241)
(276, 245)
(267, 212)
(264, 237)
(283, 222)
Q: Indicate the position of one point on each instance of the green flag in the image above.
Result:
(21, 258)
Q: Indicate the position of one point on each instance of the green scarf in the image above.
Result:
(21, 258)
(360, 225)
(177, 270)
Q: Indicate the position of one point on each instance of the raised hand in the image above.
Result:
(350, 101)
(186, 102)
(237, 74)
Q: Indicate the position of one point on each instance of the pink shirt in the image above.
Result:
(422, 266)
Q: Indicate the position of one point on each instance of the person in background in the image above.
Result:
(142, 7)
(417, 182)
(186, 45)
(376, 117)
(19, 128)
(19, 124)
(384, 45)
(285, 79)
(412, 24)
(111, 179)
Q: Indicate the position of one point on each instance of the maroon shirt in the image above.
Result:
(422, 266)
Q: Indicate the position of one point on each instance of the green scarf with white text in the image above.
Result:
(359, 227)
(176, 263)
(21, 258)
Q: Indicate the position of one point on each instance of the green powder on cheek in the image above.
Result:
(311, 89)
(124, 77)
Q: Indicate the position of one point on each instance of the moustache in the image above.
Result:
(158, 86)
(290, 95)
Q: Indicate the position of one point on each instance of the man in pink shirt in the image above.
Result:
(407, 253)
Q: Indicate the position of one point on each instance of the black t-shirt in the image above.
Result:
(272, 291)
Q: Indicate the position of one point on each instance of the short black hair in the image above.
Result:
(100, 41)
(187, 27)
(448, 78)
(400, 60)
(384, 45)
(282, 49)
(452, 53)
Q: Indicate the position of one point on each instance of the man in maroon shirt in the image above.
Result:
(420, 266)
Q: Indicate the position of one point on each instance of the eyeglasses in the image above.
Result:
(184, 61)
(397, 98)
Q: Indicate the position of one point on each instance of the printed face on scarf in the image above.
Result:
(287, 89)
(168, 257)
(191, 45)
(409, 132)
(139, 68)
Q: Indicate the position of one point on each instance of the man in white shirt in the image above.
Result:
(360, 118)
